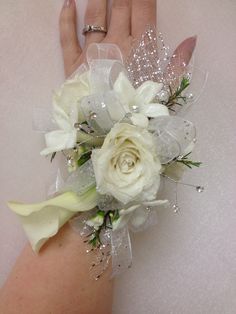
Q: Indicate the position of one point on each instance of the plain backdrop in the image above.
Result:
(187, 263)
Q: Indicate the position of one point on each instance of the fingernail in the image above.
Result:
(68, 3)
(192, 41)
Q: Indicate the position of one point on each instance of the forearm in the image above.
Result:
(56, 281)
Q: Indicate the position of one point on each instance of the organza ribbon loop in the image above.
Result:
(105, 63)
(198, 82)
(79, 71)
(102, 111)
(174, 136)
(103, 52)
(81, 180)
(102, 107)
(102, 69)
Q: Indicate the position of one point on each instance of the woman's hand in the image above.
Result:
(58, 280)
(129, 20)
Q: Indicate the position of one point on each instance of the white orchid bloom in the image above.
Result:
(67, 112)
(140, 99)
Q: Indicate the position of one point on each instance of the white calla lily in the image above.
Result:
(140, 98)
(43, 220)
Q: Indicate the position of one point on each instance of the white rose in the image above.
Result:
(127, 166)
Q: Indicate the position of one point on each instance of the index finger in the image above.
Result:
(69, 41)
(143, 15)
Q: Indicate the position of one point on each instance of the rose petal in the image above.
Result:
(123, 144)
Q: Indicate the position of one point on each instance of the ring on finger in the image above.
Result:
(94, 28)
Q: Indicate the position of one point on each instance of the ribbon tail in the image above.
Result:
(121, 251)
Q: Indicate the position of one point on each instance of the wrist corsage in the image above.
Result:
(118, 128)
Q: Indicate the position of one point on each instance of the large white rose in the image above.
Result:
(127, 166)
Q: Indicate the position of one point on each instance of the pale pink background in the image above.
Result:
(187, 264)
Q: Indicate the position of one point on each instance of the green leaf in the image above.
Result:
(115, 215)
(189, 163)
(85, 157)
(184, 83)
(95, 241)
(108, 218)
(100, 213)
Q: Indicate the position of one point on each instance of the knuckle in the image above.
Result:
(94, 14)
(121, 4)
(110, 38)
(146, 5)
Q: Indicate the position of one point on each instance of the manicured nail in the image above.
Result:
(68, 3)
(192, 41)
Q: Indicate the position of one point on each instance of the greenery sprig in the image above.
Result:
(108, 218)
(176, 98)
(189, 163)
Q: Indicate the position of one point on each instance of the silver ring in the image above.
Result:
(94, 28)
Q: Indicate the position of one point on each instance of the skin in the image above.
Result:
(57, 281)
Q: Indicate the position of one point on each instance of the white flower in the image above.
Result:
(127, 167)
(66, 112)
(137, 215)
(96, 221)
(140, 99)
(41, 221)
